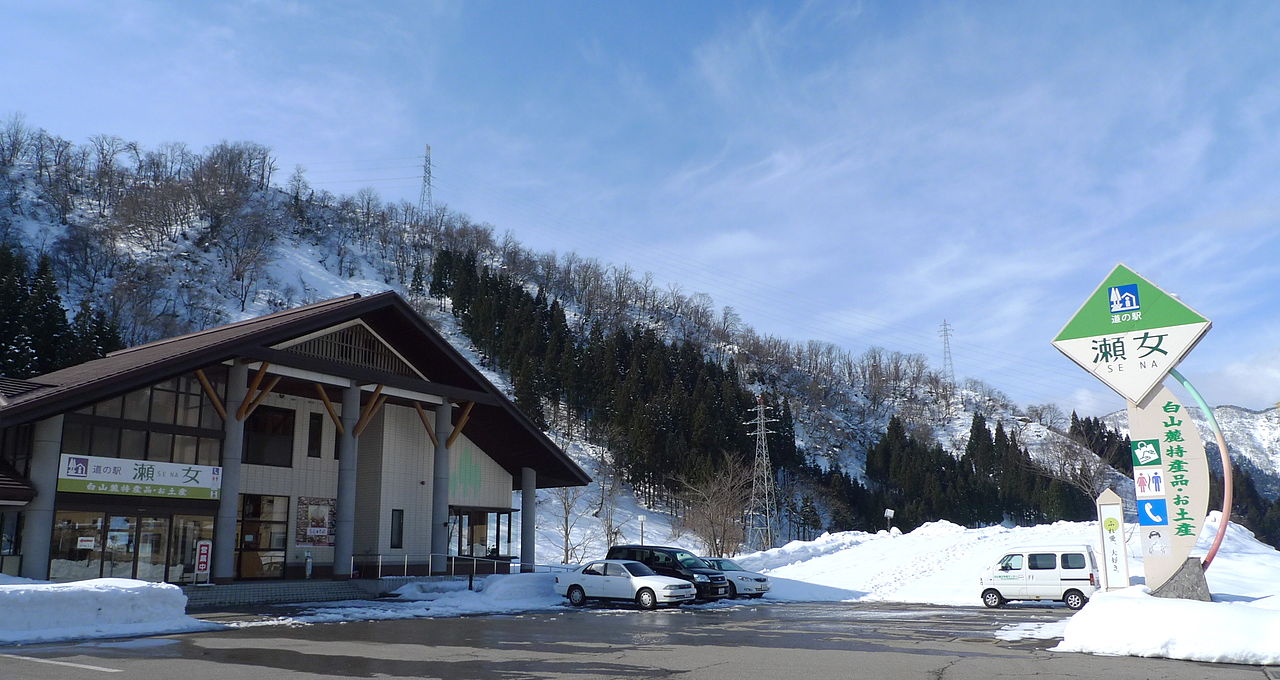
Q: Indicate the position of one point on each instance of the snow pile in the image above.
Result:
(938, 563)
(1131, 622)
(105, 607)
(499, 593)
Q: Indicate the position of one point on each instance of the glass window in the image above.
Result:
(397, 528)
(136, 404)
(315, 428)
(266, 508)
(109, 408)
(1013, 562)
(189, 410)
(210, 451)
(160, 447)
(185, 449)
(76, 551)
(133, 444)
(268, 437)
(105, 441)
(1073, 561)
(612, 569)
(1042, 561)
(75, 437)
(163, 403)
(594, 569)
(638, 569)
(187, 529)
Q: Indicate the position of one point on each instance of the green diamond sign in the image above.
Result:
(1129, 333)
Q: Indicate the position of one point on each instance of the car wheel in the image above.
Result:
(733, 591)
(992, 598)
(577, 597)
(1074, 599)
(646, 599)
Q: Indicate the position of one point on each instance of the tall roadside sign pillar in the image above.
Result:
(1130, 334)
(1115, 556)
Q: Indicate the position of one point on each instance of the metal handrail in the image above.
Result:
(471, 564)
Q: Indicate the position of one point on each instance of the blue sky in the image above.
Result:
(850, 172)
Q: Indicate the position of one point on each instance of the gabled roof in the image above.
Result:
(496, 425)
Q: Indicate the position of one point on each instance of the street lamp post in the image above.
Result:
(641, 518)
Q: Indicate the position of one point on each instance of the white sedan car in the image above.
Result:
(622, 580)
(741, 581)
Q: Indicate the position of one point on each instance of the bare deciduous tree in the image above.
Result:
(714, 500)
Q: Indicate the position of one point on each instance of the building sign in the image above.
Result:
(1171, 483)
(204, 549)
(315, 521)
(86, 543)
(127, 477)
(1129, 333)
(1115, 556)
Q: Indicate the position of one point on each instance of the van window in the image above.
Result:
(1073, 561)
(1013, 562)
(1043, 561)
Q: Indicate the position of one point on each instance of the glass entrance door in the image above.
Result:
(153, 548)
(121, 547)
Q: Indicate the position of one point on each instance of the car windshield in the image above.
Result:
(724, 565)
(638, 569)
(688, 561)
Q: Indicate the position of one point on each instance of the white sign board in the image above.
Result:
(1171, 482)
(1115, 556)
(1129, 333)
(127, 477)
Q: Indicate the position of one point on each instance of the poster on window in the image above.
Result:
(315, 521)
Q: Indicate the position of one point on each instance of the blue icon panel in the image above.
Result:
(1123, 298)
(1153, 512)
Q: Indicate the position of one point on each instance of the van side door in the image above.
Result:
(1044, 582)
(1010, 576)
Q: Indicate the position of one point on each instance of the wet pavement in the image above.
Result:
(805, 641)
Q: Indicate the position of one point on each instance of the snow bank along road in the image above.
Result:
(759, 641)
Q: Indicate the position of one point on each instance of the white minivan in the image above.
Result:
(1062, 573)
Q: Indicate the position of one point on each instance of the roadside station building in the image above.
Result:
(332, 437)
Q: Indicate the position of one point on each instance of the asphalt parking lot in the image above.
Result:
(757, 640)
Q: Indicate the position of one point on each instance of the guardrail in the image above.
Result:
(437, 564)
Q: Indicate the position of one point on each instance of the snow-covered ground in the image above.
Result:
(938, 563)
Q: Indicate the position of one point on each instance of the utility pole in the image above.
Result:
(425, 199)
(762, 511)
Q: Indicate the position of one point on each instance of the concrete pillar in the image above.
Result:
(344, 536)
(528, 518)
(37, 528)
(224, 527)
(440, 489)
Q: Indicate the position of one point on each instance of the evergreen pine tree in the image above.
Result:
(46, 320)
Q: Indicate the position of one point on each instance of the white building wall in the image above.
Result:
(475, 479)
(394, 472)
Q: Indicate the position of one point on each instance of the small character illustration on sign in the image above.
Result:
(1155, 482)
(1142, 484)
(1157, 544)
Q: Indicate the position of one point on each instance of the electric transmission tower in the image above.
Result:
(762, 511)
(425, 201)
(948, 368)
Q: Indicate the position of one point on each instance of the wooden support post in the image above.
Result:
(251, 406)
(462, 422)
(212, 394)
(370, 412)
(328, 406)
(426, 422)
(261, 373)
